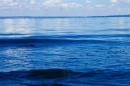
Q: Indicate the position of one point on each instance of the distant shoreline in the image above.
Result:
(17, 17)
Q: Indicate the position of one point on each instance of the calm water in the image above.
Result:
(65, 51)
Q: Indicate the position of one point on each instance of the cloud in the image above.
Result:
(16, 2)
(113, 1)
(88, 1)
(71, 5)
(125, 0)
(10, 5)
(52, 3)
(48, 7)
(6, 1)
(60, 4)
(100, 5)
(32, 2)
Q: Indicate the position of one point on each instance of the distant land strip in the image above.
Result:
(17, 17)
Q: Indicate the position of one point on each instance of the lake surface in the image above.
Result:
(70, 51)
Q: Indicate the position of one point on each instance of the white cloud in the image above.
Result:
(9, 5)
(52, 3)
(56, 6)
(16, 2)
(60, 4)
(128, 0)
(100, 5)
(88, 1)
(71, 5)
(113, 1)
(5, 1)
(32, 2)
(125, 0)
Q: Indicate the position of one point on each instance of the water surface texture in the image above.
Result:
(70, 51)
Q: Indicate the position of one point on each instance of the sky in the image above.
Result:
(64, 7)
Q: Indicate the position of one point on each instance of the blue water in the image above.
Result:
(70, 51)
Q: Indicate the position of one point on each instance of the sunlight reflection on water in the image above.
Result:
(59, 26)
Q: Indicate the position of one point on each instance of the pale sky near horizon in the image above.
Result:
(63, 7)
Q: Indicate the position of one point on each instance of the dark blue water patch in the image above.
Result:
(114, 29)
(109, 16)
(39, 77)
(108, 36)
(63, 38)
(38, 74)
(13, 41)
(63, 77)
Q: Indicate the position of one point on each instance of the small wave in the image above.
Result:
(40, 41)
(27, 78)
(67, 36)
(106, 72)
(37, 74)
(20, 41)
(63, 77)
(49, 73)
(43, 84)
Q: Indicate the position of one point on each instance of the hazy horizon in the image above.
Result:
(64, 7)
(68, 16)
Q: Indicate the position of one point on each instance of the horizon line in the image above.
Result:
(128, 15)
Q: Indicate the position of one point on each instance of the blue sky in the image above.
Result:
(63, 7)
